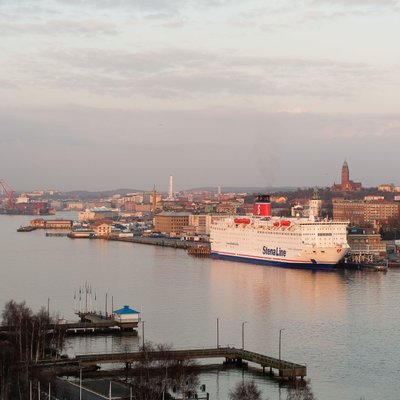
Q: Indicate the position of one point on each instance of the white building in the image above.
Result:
(126, 317)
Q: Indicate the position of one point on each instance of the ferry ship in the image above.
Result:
(288, 242)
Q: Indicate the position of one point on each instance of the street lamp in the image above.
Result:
(80, 382)
(143, 334)
(243, 323)
(280, 343)
(217, 332)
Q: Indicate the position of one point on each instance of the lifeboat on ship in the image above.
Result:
(245, 221)
(285, 223)
(276, 223)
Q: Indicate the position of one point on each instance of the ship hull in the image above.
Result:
(274, 263)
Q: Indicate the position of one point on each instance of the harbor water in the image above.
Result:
(343, 325)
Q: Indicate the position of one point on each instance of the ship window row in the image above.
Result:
(279, 233)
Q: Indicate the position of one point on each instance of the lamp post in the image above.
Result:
(143, 334)
(243, 323)
(217, 332)
(280, 343)
(80, 383)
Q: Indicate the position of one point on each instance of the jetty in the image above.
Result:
(231, 355)
(164, 242)
(122, 320)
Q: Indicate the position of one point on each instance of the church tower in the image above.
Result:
(345, 176)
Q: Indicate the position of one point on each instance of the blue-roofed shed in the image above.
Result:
(127, 316)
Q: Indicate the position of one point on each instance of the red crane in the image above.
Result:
(8, 192)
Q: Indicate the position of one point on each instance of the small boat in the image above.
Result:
(199, 251)
(377, 265)
(81, 234)
(26, 228)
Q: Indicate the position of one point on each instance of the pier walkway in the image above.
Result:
(285, 369)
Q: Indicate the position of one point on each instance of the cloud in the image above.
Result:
(353, 3)
(189, 73)
(59, 27)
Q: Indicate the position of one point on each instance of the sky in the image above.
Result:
(107, 94)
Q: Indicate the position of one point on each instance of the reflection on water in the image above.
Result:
(99, 343)
(344, 325)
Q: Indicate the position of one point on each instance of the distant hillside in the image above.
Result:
(240, 189)
(86, 195)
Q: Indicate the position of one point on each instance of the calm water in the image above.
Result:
(344, 325)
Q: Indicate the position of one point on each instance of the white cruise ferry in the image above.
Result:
(289, 242)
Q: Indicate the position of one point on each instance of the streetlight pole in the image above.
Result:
(143, 334)
(280, 344)
(217, 332)
(243, 323)
(80, 383)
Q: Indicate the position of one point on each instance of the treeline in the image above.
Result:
(25, 339)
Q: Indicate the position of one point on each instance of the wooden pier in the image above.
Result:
(231, 355)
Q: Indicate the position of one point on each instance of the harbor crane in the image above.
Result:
(8, 193)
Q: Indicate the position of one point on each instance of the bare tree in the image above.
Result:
(159, 373)
(245, 390)
(29, 338)
(300, 390)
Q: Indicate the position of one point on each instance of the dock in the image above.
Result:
(164, 242)
(232, 355)
(90, 323)
(81, 328)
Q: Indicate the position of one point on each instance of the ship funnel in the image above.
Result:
(262, 206)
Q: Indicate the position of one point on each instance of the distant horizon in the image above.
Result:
(212, 189)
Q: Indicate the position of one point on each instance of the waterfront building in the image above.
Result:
(363, 242)
(171, 223)
(364, 212)
(201, 223)
(346, 184)
(103, 228)
(389, 188)
(52, 223)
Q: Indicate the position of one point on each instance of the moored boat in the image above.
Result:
(81, 233)
(289, 242)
